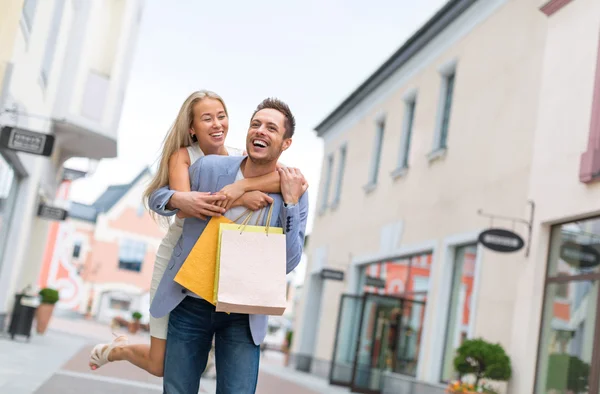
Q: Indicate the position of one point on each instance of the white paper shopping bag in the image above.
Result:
(251, 269)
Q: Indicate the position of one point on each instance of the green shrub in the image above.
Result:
(136, 316)
(49, 296)
(483, 360)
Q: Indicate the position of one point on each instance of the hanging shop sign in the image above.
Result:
(327, 273)
(26, 141)
(501, 240)
(52, 213)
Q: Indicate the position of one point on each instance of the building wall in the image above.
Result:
(435, 204)
(561, 137)
(9, 25)
(92, 278)
(35, 102)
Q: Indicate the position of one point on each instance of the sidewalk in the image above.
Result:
(24, 367)
(56, 363)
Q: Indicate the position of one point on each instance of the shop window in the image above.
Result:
(402, 286)
(569, 331)
(459, 307)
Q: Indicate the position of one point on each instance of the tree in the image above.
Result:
(483, 360)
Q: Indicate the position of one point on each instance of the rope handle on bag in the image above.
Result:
(243, 225)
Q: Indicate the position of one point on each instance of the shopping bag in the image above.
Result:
(250, 276)
(197, 273)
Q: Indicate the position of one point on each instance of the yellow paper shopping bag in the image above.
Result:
(197, 274)
(250, 275)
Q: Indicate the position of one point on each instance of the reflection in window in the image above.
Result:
(566, 347)
(459, 308)
(567, 338)
(407, 277)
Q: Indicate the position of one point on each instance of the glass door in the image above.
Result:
(376, 345)
(346, 339)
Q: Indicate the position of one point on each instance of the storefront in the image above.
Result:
(569, 351)
(380, 328)
(10, 178)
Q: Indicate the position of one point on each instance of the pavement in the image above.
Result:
(57, 363)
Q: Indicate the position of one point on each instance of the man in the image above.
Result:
(193, 322)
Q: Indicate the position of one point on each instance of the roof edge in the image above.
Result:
(435, 25)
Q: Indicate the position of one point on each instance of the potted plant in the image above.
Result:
(134, 326)
(48, 298)
(287, 346)
(480, 360)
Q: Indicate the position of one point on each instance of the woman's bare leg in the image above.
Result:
(149, 358)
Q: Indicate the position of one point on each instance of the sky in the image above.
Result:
(310, 53)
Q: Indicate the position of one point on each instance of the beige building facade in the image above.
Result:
(64, 67)
(485, 111)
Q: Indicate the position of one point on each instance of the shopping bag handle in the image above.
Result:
(247, 219)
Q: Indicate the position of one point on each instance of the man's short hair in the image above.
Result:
(278, 105)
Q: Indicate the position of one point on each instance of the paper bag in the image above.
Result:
(197, 274)
(250, 276)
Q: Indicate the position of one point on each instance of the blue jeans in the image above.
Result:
(192, 325)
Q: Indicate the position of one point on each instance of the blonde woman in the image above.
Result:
(200, 129)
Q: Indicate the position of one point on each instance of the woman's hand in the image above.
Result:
(255, 200)
(196, 204)
(231, 192)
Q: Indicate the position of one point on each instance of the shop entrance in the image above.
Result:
(375, 334)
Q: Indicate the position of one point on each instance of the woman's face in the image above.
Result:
(210, 125)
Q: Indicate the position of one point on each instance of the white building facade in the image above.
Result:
(490, 109)
(66, 80)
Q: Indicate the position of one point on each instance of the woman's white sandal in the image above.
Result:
(100, 353)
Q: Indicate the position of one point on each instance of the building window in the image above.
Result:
(77, 249)
(51, 41)
(569, 331)
(409, 279)
(440, 142)
(119, 304)
(409, 116)
(340, 176)
(376, 158)
(459, 309)
(29, 7)
(327, 184)
(131, 255)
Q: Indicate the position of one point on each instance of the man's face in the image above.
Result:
(265, 141)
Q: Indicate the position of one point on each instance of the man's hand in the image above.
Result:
(255, 200)
(197, 204)
(293, 185)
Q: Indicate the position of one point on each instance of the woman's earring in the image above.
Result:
(194, 138)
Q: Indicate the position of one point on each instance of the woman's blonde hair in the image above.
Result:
(178, 137)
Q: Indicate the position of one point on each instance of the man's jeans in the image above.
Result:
(192, 325)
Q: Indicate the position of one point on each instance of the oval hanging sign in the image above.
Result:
(582, 256)
(501, 240)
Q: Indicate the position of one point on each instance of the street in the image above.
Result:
(58, 363)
